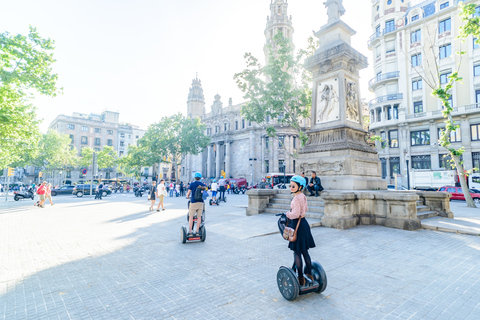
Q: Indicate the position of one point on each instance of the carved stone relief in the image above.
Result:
(323, 167)
(352, 112)
(327, 101)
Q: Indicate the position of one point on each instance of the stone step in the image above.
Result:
(286, 208)
(427, 214)
(280, 201)
(423, 208)
(312, 215)
(311, 201)
(419, 203)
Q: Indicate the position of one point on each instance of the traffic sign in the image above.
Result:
(84, 171)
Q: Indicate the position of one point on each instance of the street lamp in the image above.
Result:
(407, 159)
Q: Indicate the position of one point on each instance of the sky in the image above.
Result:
(139, 57)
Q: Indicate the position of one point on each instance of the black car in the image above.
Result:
(84, 189)
(63, 190)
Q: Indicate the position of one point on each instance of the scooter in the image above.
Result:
(287, 278)
(23, 195)
(194, 237)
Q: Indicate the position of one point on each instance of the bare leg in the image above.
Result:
(152, 204)
(190, 224)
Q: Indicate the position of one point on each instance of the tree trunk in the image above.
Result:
(463, 182)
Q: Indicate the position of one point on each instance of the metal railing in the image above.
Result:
(388, 97)
(384, 76)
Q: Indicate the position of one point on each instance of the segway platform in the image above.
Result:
(287, 281)
(202, 230)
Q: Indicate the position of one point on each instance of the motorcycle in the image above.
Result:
(139, 191)
(23, 195)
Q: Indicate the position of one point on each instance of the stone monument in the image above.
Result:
(336, 148)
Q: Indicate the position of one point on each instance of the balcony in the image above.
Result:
(381, 78)
(378, 34)
(388, 97)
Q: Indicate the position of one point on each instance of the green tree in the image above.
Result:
(279, 93)
(471, 21)
(172, 138)
(25, 67)
(132, 163)
(106, 158)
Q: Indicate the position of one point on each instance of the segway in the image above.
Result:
(194, 237)
(212, 202)
(287, 278)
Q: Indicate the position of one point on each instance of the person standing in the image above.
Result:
(171, 189)
(151, 195)
(196, 205)
(315, 185)
(48, 194)
(161, 193)
(221, 188)
(182, 189)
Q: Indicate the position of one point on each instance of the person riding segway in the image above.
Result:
(195, 194)
(214, 199)
(295, 228)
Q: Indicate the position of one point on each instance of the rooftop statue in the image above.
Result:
(335, 9)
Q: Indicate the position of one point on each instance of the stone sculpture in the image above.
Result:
(352, 103)
(335, 9)
(327, 103)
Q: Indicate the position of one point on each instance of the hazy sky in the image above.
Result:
(139, 57)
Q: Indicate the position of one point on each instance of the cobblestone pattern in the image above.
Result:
(114, 259)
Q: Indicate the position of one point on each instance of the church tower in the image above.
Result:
(196, 100)
(277, 22)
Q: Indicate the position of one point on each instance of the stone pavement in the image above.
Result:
(113, 259)
(466, 220)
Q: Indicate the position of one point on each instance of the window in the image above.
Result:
(394, 166)
(450, 101)
(421, 162)
(236, 125)
(372, 116)
(390, 46)
(445, 51)
(136, 137)
(474, 132)
(383, 135)
(475, 44)
(393, 138)
(225, 126)
(293, 166)
(122, 135)
(415, 17)
(384, 167)
(379, 76)
(476, 70)
(444, 25)
(122, 144)
(477, 95)
(109, 131)
(281, 141)
(416, 36)
(294, 142)
(455, 136)
(110, 142)
(267, 165)
(70, 126)
(388, 112)
(268, 119)
(418, 107)
(121, 153)
(377, 31)
(395, 112)
(417, 84)
(129, 136)
(444, 77)
(445, 161)
(249, 123)
(97, 141)
(379, 115)
(476, 160)
(84, 140)
(419, 138)
(72, 138)
(477, 12)
(98, 130)
(84, 128)
(416, 60)
(69, 175)
(389, 26)
(281, 166)
(216, 129)
(444, 5)
(267, 143)
(243, 123)
(96, 149)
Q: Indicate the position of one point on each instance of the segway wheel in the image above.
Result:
(211, 201)
(183, 234)
(218, 202)
(288, 283)
(203, 233)
(225, 199)
(320, 276)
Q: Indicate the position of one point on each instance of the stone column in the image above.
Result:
(388, 169)
(262, 157)
(217, 162)
(228, 173)
(209, 161)
(274, 157)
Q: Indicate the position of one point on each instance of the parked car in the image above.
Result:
(84, 189)
(391, 187)
(457, 194)
(62, 190)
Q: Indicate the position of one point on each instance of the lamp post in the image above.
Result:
(407, 159)
(284, 178)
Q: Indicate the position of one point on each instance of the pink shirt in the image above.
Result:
(299, 207)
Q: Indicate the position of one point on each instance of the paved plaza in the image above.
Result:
(113, 259)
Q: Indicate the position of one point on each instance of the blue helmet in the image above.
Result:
(197, 175)
(214, 180)
(300, 180)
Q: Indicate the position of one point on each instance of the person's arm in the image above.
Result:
(294, 213)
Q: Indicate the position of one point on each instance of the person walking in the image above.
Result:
(182, 189)
(304, 239)
(161, 193)
(41, 191)
(48, 194)
(151, 195)
(171, 189)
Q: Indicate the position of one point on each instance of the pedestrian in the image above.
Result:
(196, 205)
(177, 190)
(228, 188)
(315, 185)
(306, 181)
(304, 239)
(151, 195)
(41, 191)
(161, 193)
(48, 194)
(221, 188)
(182, 189)
(99, 191)
(171, 189)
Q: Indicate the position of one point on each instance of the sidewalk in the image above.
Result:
(466, 220)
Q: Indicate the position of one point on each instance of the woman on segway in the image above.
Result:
(304, 236)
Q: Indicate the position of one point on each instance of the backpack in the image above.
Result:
(198, 196)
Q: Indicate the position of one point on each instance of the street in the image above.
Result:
(113, 259)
